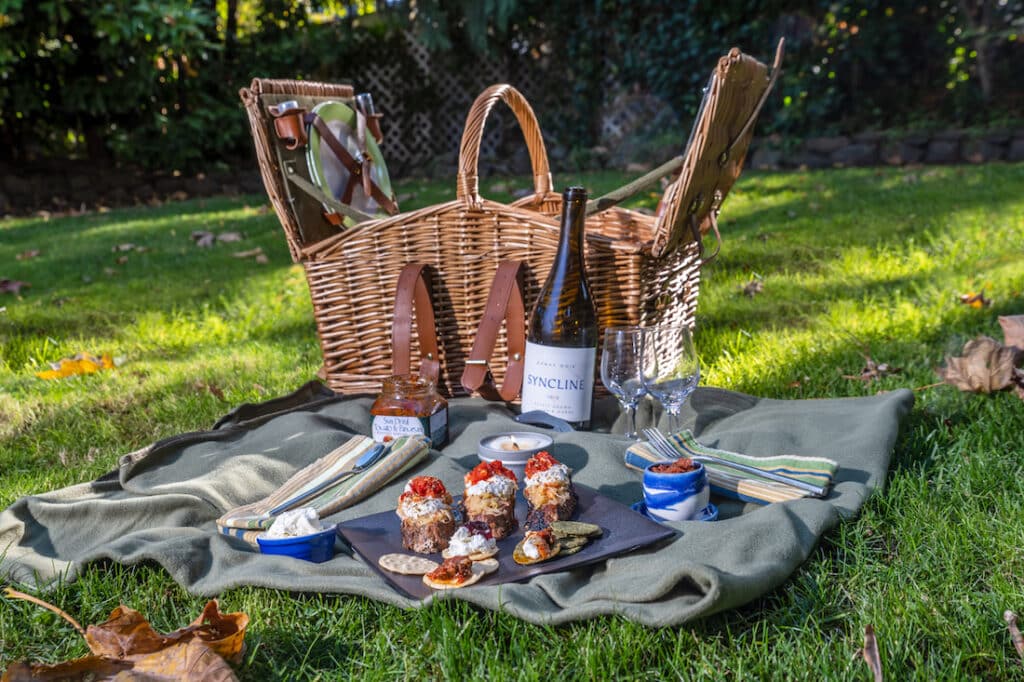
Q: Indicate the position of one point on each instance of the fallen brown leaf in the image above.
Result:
(262, 259)
(127, 633)
(127, 246)
(227, 237)
(870, 653)
(126, 647)
(753, 288)
(12, 286)
(203, 239)
(258, 251)
(975, 300)
(1013, 330)
(873, 370)
(28, 255)
(985, 366)
(190, 661)
(1018, 640)
(121, 260)
(213, 390)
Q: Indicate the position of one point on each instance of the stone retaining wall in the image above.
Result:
(71, 185)
(57, 186)
(875, 149)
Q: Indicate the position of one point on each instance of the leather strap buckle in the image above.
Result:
(504, 304)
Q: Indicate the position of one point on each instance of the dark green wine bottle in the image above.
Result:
(561, 340)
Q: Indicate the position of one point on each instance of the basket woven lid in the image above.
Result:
(718, 145)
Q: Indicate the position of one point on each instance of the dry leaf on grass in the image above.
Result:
(975, 300)
(986, 366)
(127, 246)
(753, 288)
(256, 254)
(126, 647)
(229, 237)
(1013, 330)
(873, 370)
(81, 363)
(870, 653)
(28, 255)
(1018, 640)
(202, 238)
(127, 633)
(12, 286)
(215, 391)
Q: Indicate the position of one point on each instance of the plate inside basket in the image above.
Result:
(327, 171)
(623, 530)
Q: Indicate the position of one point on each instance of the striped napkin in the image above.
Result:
(737, 484)
(324, 486)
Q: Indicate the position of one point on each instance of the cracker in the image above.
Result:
(478, 572)
(520, 556)
(572, 542)
(406, 564)
(572, 550)
(488, 565)
(575, 528)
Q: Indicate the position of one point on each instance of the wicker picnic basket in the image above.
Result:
(642, 269)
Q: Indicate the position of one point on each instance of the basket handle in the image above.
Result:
(468, 187)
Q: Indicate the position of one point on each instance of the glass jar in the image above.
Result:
(409, 404)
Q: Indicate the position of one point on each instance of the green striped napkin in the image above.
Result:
(737, 484)
(312, 486)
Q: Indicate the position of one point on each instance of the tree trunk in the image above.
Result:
(979, 20)
(231, 32)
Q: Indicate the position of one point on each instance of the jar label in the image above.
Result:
(559, 381)
(386, 428)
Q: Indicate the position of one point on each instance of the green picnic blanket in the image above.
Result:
(162, 502)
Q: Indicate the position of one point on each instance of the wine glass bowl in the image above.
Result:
(671, 370)
(622, 369)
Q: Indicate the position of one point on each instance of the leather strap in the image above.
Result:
(354, 167)
(413, 290)
(504, 303)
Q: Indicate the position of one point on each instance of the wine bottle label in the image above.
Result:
(559, 381)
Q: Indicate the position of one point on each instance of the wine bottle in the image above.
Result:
(561, 340)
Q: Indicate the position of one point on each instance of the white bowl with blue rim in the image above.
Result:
(676, 496)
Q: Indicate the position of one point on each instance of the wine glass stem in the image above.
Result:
(673, 419)
(630, 421)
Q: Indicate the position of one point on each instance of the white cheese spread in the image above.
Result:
(499, 486)
(295, 523)
(412, 507)
(464, 543)
(556, 473)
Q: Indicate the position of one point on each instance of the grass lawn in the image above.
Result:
(851, 262)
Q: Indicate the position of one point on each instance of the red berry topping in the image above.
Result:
(542, 461)
(484, 470)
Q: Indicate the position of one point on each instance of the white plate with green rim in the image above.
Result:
(328, 173)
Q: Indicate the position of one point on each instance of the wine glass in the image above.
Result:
(670, 368)
(622, 369)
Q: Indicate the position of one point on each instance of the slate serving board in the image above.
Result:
(623, 531)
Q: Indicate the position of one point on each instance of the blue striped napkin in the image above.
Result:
(318, 484)
(737, 484)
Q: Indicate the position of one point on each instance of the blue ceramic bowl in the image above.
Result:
(318, 547)
(676, 497)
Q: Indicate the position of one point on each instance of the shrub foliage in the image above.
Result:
(153, 82)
